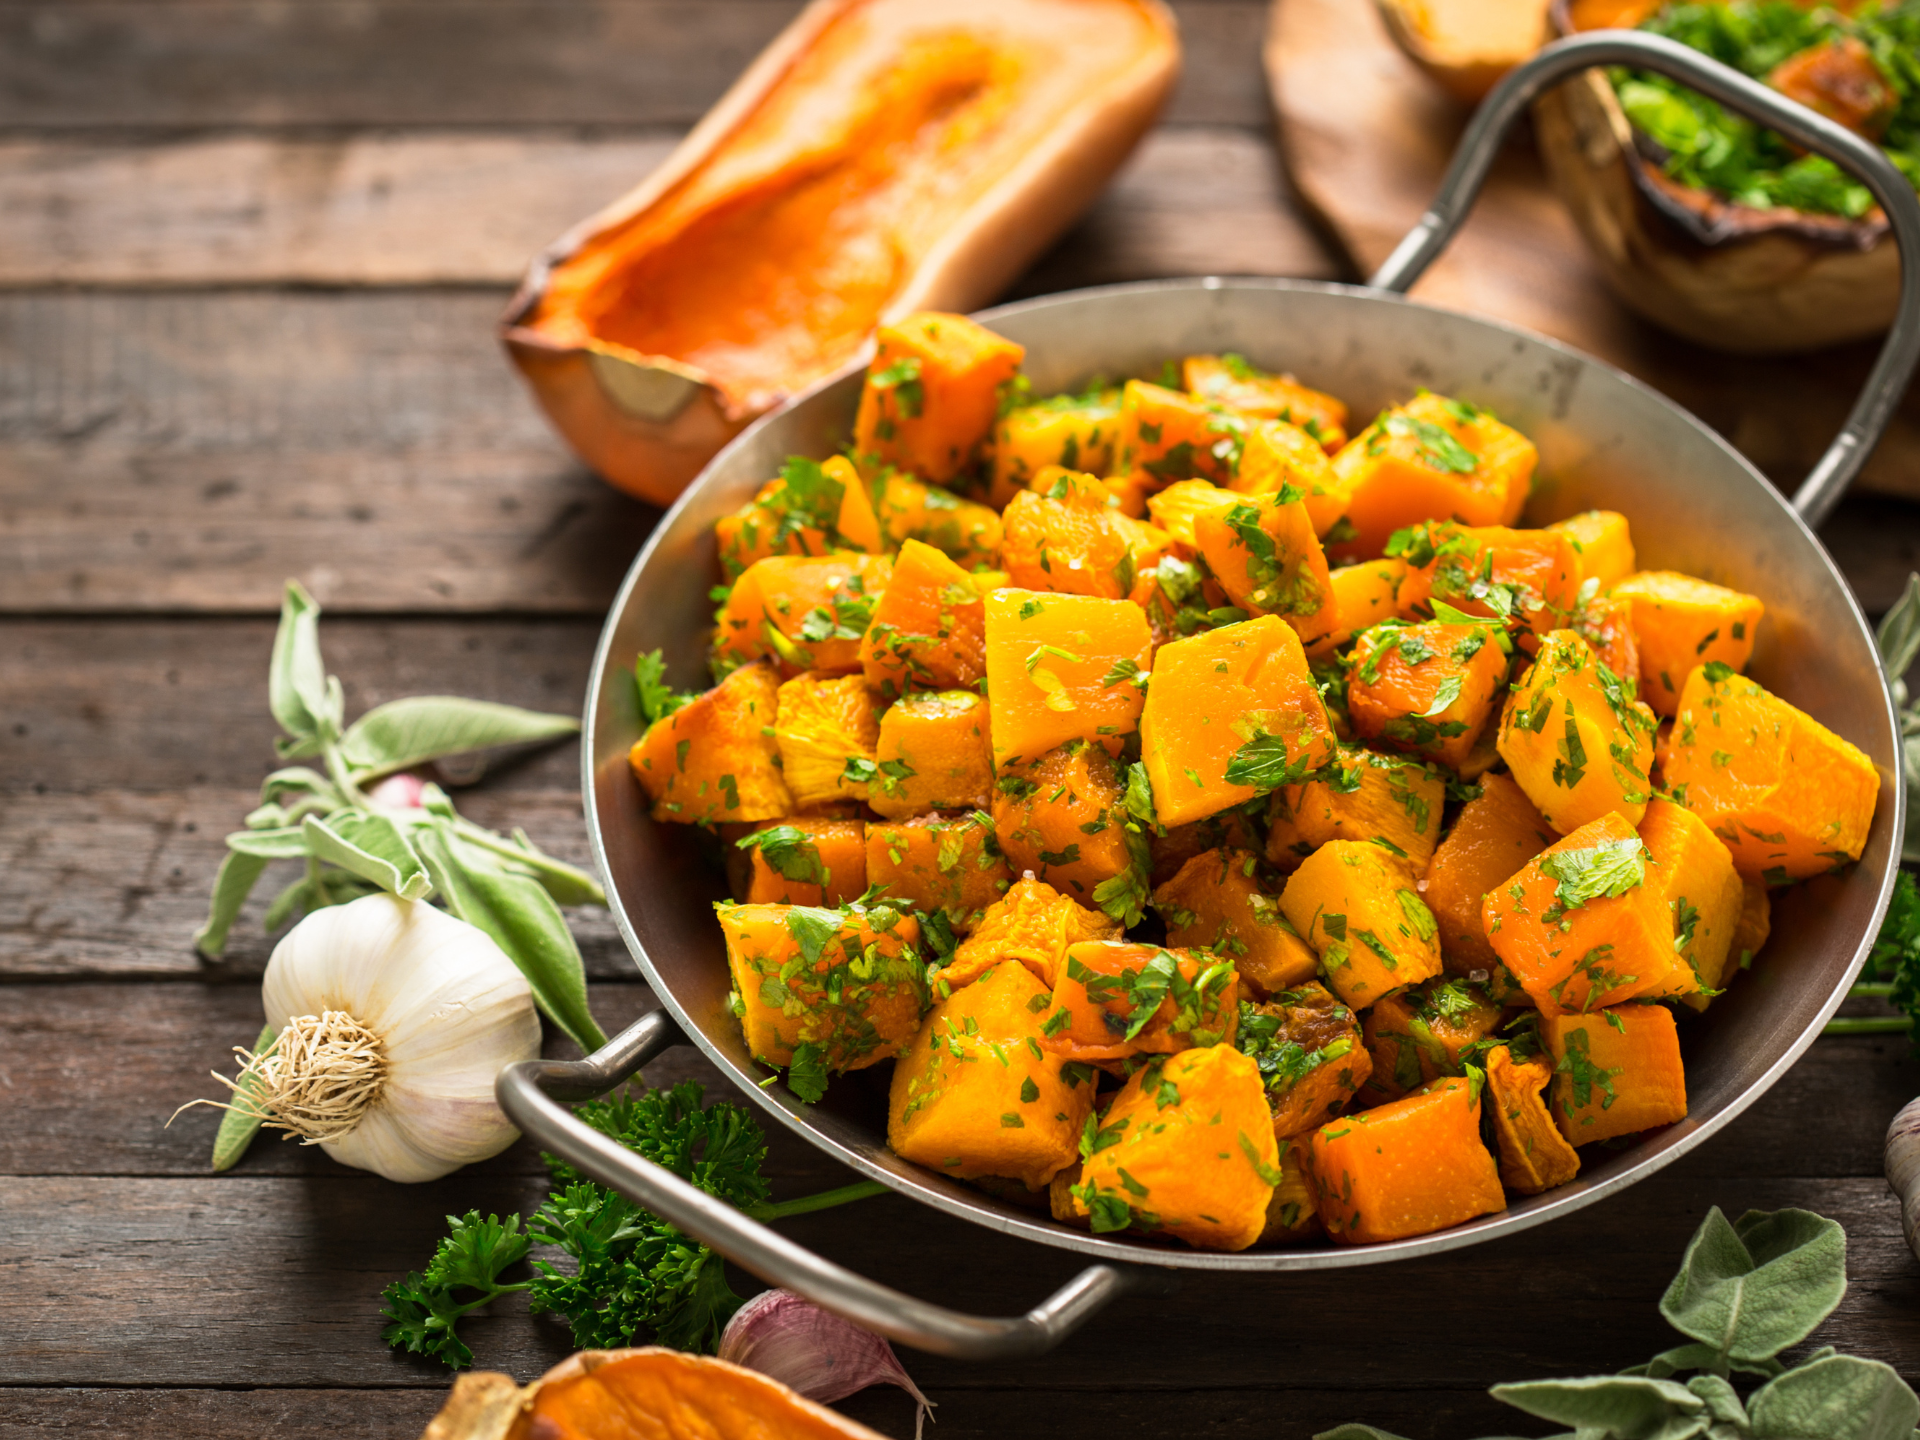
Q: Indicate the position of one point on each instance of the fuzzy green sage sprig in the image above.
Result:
(355, 836)
(1747, 1290)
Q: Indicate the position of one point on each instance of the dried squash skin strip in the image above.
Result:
(1534, 1156)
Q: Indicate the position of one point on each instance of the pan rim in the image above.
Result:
(904, 1178)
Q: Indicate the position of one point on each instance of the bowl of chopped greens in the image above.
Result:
(1720, 229)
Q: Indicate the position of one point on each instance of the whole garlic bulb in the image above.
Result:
(394, 1019)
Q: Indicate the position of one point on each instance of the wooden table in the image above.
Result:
(251, 255)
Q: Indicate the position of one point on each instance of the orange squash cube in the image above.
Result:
(932, 393)
(1407, 1168)
(1496, 834)
(1576, 739)
(932, 754)
(1074, 539)
(1431, 459)
(1062, 667)
(1217, 903)
(1185, 1149)
(1308, 1049)
(928, 630)
(976, 1095)
(1604, 544)
(1585, 924)
(1429, 688)
(813, 508)
(1358, 908)
(908, 509)
(806, 612)
(1169, 436)
(806, 860)
(826, 728)
(841, 988)
(1032, 923)
(1365, 594)
(1527, 579)
(1075, 432)
(1534, 1155)
(1262, 726)
(938, 862)
(1701, 887)
(1266, 557)
(1615, 1073)
(1175, 508)
(713, 758)
(1680, 622)
(1231, 381)
(1393, 802)
(1231, 829)
(1113, 998)
(1785, 794)
(1293, 1215)
(1751, 931)
(1606, 624)
(1062, 819)
(1420, 1035)
(1277, 457)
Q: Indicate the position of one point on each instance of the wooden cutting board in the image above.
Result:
(1366, 136)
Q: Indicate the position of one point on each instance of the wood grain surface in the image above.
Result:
(251, 255)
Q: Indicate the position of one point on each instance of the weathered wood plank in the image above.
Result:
(237, 1281)
(100, 1414)
(371, 209)
(231, 63)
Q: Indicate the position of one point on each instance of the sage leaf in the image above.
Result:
(1899, 632)
(404, 733)
(524, 922)
(1698, 1357)
(1723, 1401)
(520, 856)
(299, 896)
(372, 847)
(297, 688)
(287, 842)
(238, 874)
(1837, 1397)
(237, 1130)
(1628, 1407)
(1357, 1432)
(1753, 1287)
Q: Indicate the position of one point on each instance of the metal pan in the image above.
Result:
(1605, 440)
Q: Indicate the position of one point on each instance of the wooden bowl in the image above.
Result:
(1727, 276)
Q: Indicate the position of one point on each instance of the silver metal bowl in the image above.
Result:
(1605, 441)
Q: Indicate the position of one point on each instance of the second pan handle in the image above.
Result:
(528, 1092)
(1836, 470)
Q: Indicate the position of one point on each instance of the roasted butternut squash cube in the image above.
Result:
(932, 393)
(1217, 903)
(1232, 381)
(1358, 908)
(976, 1095)
(1113, 998)
(1075, 432)
(1062, 667)
(1366, 593)
(1429, 688)
(1278, 457)
(1585, 924)
(1266, 557)
(805, 612)
(1175, 508)
(928, 630)
(1785, 794)
(1062, 819)
(933, 753)
(1262, 724)
(1534, 1155)
(806, 860)
(1393, 802)
(713, 758)
(1032, 923)
(1172, 848)
(1703, 890)
(1603, 544)
(1526, 579)
(1168, 436)
(1420, 1035)
(813, 508)
(826, 728)
(938, 862)
(1576, 739)
(1308, 1049)
(1431, 459)
(1293, 1214)
(1185, 1149)
(824, 990)
(1843, 80)
(1615, 1073)
(1606, 624)
(1074, 539)
(1407, 1168)
(1496, 834)
(1680, 622)
(966, 532)
(1754, 926)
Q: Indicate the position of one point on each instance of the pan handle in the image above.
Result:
(528, 1090)
(1828, 480)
